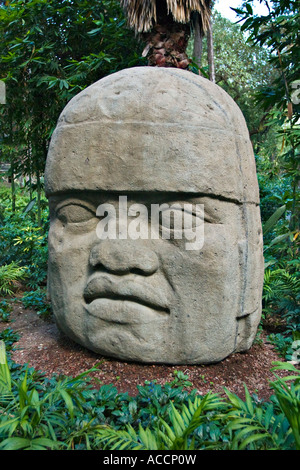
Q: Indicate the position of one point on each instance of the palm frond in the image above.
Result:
(129, 439)
(177, 435)
(142, 14)
(182, 10)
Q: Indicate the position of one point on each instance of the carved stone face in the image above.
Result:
(177, 140)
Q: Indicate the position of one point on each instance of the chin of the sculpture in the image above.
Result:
(156, 341)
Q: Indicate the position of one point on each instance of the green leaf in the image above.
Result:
(248, 400)
(249, 8)
(68, 401)
(272, 221)
(15, 443)
(279, 365)
(251, 439)
(276, 240)
(41, 443)
(29, 206)
(5, 377)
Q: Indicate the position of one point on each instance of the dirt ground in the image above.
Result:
(44, 347)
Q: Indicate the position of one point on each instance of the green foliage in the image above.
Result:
(9, 274)
(33, 418)
(282, 287)
(5, 311)
(9, 337)
(279, 31)
(241, 70)
(180, 379)
(172, 435)
(289, 398)
(281, 296)
(234, 424)
(278, 166)
(67, 413)
(271, 222)
(286, 346)
(22, 241)
(37, 300)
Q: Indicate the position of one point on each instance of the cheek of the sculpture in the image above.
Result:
(67, 275)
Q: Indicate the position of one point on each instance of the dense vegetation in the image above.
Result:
(68, 413)
(50, 51)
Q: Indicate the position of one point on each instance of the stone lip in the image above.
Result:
(103, 286)
(124, 312)
(130, 129)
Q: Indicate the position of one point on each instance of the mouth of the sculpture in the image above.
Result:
(128, 298)
(124, 301)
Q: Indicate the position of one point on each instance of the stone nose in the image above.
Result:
(124, 256)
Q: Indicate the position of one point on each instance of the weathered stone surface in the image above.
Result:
(157, 136)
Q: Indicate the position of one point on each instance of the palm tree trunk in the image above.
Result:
(210, 54)
(198, 44)
(167, 41)
(165, 25)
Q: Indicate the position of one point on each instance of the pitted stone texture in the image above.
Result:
(157, 136)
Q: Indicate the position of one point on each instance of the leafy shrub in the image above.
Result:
(5, 311)
(282, 289)
(212, 423)
(285, 345)
(37, 300)
(281, 296)
(22, 241)
(9, 337)
(67, 413)
(9, 274)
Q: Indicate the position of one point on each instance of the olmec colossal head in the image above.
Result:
(155, 146)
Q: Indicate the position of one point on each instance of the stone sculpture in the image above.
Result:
(145, 137)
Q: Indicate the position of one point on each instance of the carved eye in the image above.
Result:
(74, 213)
(179, 219)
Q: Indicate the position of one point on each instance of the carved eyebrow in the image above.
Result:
(207, 217)
(76, 202)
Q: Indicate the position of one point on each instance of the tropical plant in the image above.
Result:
(234, 424)
(281, 288)
(287, 346)
(289, 397)
(37, 300)
(9, 275)
(37, 413)
(22, 240)
(240, 69)
(9, 337)
(273, 425)
(5, 311)
(173, 436)
(279, 32)
(166, 27)
(32, 421)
